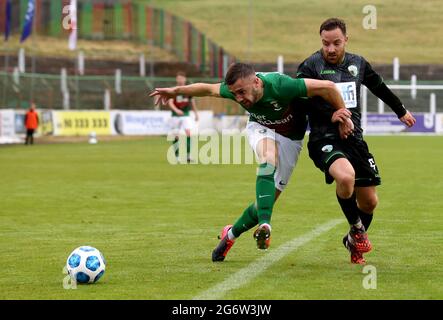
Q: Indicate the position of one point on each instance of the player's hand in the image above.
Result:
(408, 119)
(341, 115)
(162, 95)
(346, 128)
(180, 112)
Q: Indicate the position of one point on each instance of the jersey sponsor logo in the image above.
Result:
(348, 92)
(327, 148)
(263, 196)
(262, 120)
(327, 72)
(353, 70)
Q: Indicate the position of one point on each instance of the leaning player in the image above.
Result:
(348, 161)
(270, 132)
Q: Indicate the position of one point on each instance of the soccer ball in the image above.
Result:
(86, 264)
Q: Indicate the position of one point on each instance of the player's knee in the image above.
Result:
(369, 204)
(270, 157)
(346, 180)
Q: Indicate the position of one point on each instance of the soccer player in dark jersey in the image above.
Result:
(180, 107)
(267, 97)
(347, 161)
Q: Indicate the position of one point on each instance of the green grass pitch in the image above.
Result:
(156, 224)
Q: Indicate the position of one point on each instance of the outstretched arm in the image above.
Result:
(376, 85)
(162, 95)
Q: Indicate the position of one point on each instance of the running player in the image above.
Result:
(347, 161)
(180, 107)
(267, 97)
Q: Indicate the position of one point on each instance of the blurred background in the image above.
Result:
(121, 50)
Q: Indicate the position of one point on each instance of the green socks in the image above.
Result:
(259, 212)
(176, 144)
(188, 146)
(247, 221)
(265, 192)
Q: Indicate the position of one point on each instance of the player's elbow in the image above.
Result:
(322, 88)
(328, 88)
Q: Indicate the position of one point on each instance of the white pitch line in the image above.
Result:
(243, 276)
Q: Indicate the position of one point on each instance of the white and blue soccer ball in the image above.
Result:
(86, 264)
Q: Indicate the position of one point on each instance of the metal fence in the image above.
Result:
(93, 92)
(126, 20)
(131, 93)
(424, 96)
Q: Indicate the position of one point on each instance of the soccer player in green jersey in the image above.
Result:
(180, 121)
(348, 161)
(270, 132)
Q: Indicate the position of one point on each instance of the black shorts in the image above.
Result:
(325, 151)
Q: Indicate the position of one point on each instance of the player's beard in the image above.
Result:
(334, 58)
(255, 95)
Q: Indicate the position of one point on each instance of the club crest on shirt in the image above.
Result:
(276, 106)
(353, 70)
(327, 148)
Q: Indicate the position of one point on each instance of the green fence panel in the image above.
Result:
(55, 24)
(86, 20)
(141, 21)
(118, 20)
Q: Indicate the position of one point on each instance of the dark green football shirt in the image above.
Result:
(348, 75)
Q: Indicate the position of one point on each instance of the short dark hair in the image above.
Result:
(237, 71)
(181, 73)
(332, 24)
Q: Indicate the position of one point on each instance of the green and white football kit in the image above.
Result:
(273, 117)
